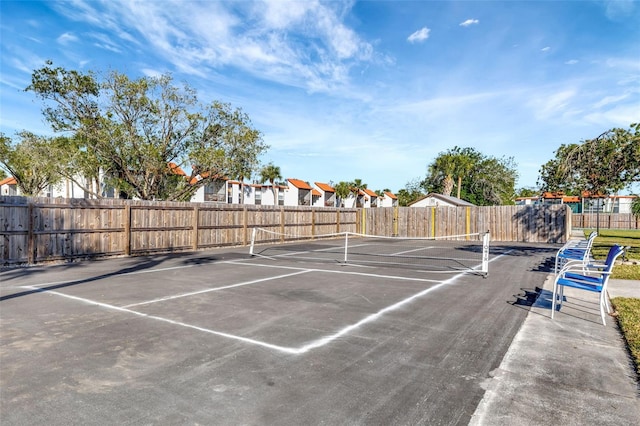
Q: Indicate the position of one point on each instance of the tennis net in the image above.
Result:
(454, 253)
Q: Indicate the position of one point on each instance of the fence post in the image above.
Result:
(394, 232)
(31, 236)
(244, 225)
(127, 229)
(433, 222)
(282, 216)
(195, 220)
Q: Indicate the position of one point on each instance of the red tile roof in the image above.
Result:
(390, 195)
(324, 187)
(9, 181)
(176, 169)
(370, 192)
(300, 184)
(315, 193)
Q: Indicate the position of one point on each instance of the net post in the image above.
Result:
(486, 238)
(253, 240)
(346, 245)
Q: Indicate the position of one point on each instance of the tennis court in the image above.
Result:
(286, 336)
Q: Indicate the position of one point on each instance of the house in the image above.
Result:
(389, 200)
(298, 193)
(9, 186)
(609, 204)
(439, 200)
(588, 203)
(527, 201)
(327, 195)
(372, 198)
(65, 189)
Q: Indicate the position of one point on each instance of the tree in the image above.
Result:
(553, 178)
(482, 180)
(441, 173)
(356, 186)
(635, 206)
(492, 182)
(410, 193)
(31, 161)
(527, 192)
(343, 189)
(603, 165)
(142, 133)
(464, 160)
(270, 173)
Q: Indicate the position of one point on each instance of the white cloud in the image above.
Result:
(571, 62)
(469, 22)
(552, 104)
(66, 38)
(105, 42)
(420, 35)
(608, 100)
(618, 9)
(299, 44)
(545, 49)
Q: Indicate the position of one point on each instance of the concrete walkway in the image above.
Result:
(571, 370)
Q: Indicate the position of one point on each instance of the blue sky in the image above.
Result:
(373, 90)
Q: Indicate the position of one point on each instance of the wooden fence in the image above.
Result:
(606, 220)
(34, 230)
(536, 224)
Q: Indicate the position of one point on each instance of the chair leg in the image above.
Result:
(560, 296)
(608, 303)
(603, 304)
(553, 301)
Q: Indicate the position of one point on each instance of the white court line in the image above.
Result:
(122, 274)
(295, 351)
(330, 271)
(328, 339)
(193, 293)
(410, 251)
(155, 317)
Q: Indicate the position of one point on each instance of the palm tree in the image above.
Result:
(464, 160)
(343, 189)
(356, 186)
(270, 173)
(444, 166)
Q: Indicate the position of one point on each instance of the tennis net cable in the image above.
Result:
(447, 254)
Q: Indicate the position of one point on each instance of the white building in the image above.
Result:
(298, 193)
(439, 200)
(327, 197)
(389, 200)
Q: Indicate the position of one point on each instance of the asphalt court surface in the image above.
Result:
(218, 337)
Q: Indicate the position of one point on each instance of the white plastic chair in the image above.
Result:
(575, 252)
(589, 277)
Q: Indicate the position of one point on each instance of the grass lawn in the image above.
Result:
(627, 238)
(628, 314)
(627, 310)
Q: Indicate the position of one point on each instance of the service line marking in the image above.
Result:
(193, 293)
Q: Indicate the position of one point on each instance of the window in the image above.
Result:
(214, 191)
